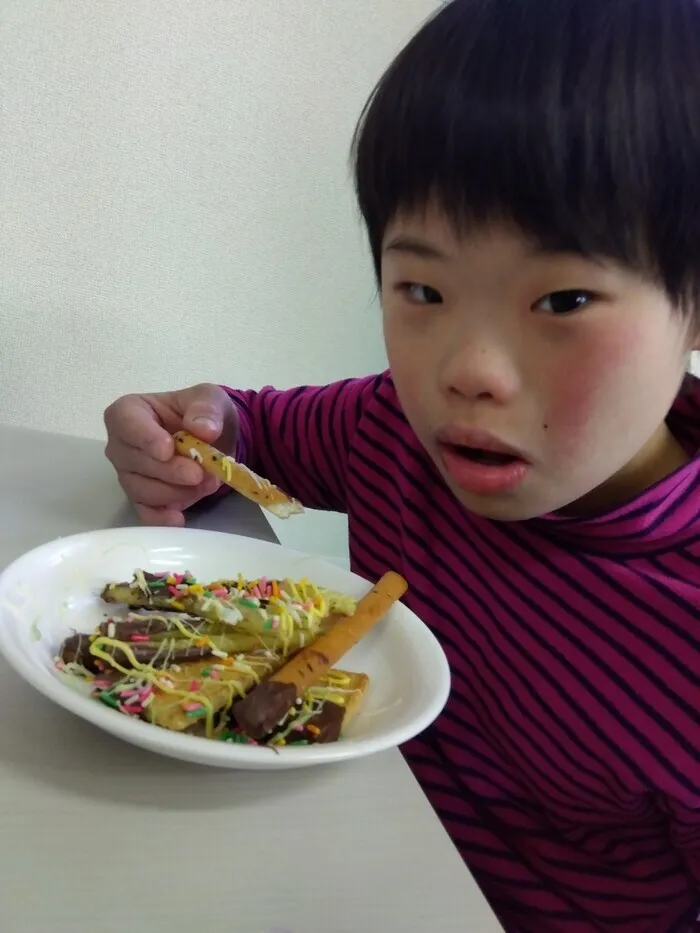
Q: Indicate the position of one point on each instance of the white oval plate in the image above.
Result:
(55, 588)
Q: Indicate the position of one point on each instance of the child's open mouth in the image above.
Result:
(477, 455)
(482, 471)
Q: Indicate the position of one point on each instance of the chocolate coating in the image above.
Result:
(123, 630)
(148, 624)
(77, 648)
(258, 713)
(329, 722)
(325, 726)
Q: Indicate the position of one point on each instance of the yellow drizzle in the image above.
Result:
(149, 674)
(160, 680)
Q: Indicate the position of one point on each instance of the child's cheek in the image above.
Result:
(587, 392)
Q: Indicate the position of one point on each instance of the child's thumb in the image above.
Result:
(205, 412)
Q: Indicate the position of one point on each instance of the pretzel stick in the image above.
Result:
(237, 476)
(259, 712)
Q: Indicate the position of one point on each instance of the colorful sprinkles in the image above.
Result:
(290, 609)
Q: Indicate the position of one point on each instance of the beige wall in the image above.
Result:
(175, 202)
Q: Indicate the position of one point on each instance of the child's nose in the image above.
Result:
(480, 370)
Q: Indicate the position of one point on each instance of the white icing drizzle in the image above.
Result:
(141, 582)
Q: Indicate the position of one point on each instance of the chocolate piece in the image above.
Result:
(329, 722)
(150, 625)
(258, 713)
(324, 726)
(76, 649)
(154, 654)
(124, 629)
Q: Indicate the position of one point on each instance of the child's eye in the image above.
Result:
(566, 302)
(419, 294)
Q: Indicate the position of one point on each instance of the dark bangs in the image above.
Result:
(576, 120)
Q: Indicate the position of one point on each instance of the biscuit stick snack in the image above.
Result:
(237, 476)
(268, 703)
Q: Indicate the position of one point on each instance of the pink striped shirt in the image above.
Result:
(566, 765)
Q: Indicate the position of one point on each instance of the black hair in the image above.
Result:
(576, 120)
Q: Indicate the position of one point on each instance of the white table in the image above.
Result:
(98, 836)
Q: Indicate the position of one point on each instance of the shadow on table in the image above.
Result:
(49, 745)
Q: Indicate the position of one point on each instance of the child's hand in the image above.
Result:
(160, 483)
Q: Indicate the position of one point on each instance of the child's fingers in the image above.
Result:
(132, 421)
(180, 471)
(153, 493)
(142, 490)
(172, 514)
(171, 518)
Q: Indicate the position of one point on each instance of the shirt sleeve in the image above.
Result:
(300, 439)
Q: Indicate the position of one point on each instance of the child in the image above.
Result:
(529, 173)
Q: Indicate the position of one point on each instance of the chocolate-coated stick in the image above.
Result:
(265, 705)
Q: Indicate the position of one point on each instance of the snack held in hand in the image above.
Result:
(183, 653)
(271, 700)
(237, 476)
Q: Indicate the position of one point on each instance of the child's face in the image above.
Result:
(535, 381)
